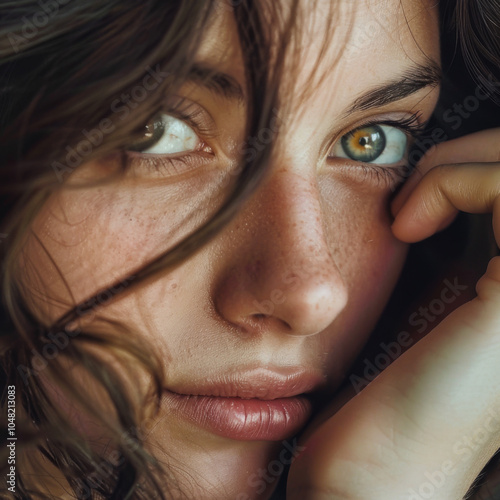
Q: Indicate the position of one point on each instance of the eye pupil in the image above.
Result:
(364, 144)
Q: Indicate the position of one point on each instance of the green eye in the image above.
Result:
(364, 144)
(378, 144)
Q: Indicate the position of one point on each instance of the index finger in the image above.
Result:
(483, 146)
(444, 190)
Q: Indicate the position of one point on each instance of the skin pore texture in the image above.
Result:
(317, 230)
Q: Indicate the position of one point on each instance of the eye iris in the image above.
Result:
(151, 134)
(364, 144)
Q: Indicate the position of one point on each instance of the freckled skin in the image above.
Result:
(316, 232)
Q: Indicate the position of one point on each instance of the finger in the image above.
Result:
(481, 146)
(444, 190)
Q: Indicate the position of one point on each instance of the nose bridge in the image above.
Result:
(284, 277)
(290, 214)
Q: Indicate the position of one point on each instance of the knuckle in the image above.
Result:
(439, 174)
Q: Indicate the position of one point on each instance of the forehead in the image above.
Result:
(338, 48)
(376, 33)
(347, 28)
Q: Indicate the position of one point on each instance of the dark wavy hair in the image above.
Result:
(477, 27)
(62, 65)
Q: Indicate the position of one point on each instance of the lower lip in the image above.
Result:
(243, 419)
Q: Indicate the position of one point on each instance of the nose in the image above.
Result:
(279, 274)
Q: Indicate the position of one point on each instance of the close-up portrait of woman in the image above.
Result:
(249, 249)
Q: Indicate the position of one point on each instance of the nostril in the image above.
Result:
(267, 322)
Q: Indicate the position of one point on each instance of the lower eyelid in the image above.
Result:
(389, 176)
(384, 176)
(168, 166)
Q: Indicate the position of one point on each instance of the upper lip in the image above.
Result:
(256, 382)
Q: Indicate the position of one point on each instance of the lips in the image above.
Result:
(250, 403)
(258, 383)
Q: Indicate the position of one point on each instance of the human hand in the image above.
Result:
(403, 432)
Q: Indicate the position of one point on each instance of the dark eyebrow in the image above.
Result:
(220, 83)
(413, 79)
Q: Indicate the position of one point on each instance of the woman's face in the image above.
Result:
(292, 287)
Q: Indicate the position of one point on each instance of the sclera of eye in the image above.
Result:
(185, 153)
(174, 126)
(400, 150)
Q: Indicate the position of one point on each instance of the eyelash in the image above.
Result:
(412, 126)
(194, 120)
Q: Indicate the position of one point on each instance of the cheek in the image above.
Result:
(86, 239)
(359, 235)
(380, 259)
(370, 259)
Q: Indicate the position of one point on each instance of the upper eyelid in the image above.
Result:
(199, 119)
(413, 131)
(394, 116)
(411, 122)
